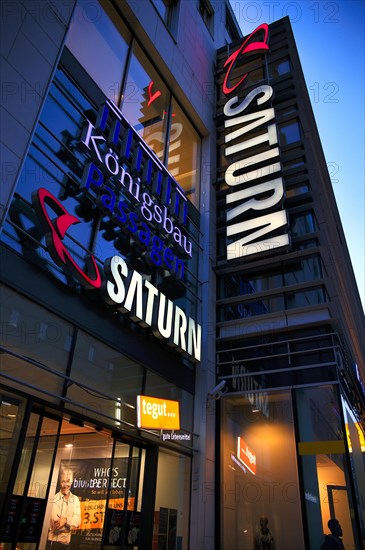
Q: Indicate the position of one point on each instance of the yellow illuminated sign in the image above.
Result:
(157, 414)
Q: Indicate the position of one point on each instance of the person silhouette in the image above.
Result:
(264, 539)
(333, 541)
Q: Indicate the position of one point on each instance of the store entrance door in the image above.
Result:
(76, 486)
(104, 478)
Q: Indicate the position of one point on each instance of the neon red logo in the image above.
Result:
(55, 230)
(151, 96)
(242, 50)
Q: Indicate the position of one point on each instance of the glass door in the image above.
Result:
(123, 516)
(26, 503)
(95, 495)
(71, 484)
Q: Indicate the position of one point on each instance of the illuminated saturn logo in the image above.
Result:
(55, 232)
(246, 48)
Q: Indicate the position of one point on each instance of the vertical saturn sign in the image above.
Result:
(255, 219)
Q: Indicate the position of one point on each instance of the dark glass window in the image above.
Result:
(287, 111)
(230, 25)
(302, 270)
(271, 304)
(207, 12)
(280, 67)
(306, 269)
(302, 223)
(239, 285)
(251, 309)
(297, 189)
(293, 163)
(168, 10)
(289, 132)
(308, 243)
(303, 298)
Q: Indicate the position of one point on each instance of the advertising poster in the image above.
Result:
(91, 482)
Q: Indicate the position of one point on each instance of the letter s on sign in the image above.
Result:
(242, 50)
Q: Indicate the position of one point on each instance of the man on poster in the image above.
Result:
(65, 515)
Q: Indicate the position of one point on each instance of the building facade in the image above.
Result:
(163, 184)
(290, 324)
(108, 151)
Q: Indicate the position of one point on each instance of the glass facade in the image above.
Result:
(97, 34)
(282, 452)
(259, 473)
(110, 490)
(52, 358)
(124, 144)
(324, 464)
(131, 80)
(286, 465)
(89, 384)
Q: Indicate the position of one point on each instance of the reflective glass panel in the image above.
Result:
(116, 377)
(11, 414)
(289, 132)
(259, 474)
(324, 466)
(98, 39)
(303, 223)
(306, 269)
(171, 518)
(184, 153)
(35, 333)
(280, 67)
(304, 298)
(27, 449)
(145, 101)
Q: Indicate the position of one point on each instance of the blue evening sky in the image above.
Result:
(330, 40)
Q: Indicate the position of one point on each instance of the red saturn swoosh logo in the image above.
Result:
(55, 230)
(245, 48)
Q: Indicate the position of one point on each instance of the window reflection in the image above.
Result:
(297, 189)
(304, 298)
(99, 41)
(324, 467)
(303, 223)
(289, 132)
(184, 153)
(171, 517)
(114, 374)
(145, 102)
(271, 304)
(280, 67)
(302, 270)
